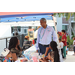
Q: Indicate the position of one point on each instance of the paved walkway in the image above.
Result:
(70, 57)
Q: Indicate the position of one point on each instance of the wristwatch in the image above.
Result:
(45, 56)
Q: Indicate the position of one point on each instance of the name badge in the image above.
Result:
(49, 30)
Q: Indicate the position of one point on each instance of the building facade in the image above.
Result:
(63, 24)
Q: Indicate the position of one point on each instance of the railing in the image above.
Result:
(6, 40)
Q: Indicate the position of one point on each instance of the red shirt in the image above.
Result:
(64, 37)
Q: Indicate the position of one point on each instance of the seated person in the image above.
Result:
(8, 56)
(15, 50)
(46, 59)
(53, 56)
(26, 43)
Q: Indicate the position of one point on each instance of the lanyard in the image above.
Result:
(43, 33)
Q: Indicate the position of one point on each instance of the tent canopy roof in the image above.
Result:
(25, 19)
(24, 16)
(21, 14)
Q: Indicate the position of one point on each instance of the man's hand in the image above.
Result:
(37, 51)
(45, 58)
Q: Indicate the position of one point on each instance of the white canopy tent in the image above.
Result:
(30, 23)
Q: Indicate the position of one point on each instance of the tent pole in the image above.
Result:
(70, 25)
(55, 28)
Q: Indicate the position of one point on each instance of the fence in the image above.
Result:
(4, 42)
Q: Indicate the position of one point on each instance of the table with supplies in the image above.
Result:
(30, 55)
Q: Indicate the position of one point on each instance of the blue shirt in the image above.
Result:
(44, 36)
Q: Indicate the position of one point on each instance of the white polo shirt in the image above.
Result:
(44, 36)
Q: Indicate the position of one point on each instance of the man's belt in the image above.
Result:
(43, 45)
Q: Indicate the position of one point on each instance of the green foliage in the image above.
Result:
(63, 14)
(72, 35)
(55, 14)
(67, 15)
(74, 16)
(70, 41)
(59, 14)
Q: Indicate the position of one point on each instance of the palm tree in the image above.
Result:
(68, 18)
(67, 15)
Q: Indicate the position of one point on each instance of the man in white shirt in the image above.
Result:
(45, 35)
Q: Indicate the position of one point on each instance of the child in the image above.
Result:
(74, 44)
(53, 56)
(67, 48)
(61, 46)
(64, 40)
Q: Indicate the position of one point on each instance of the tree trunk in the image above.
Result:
(70, 26)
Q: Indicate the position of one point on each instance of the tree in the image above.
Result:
(67, 15)
(68, 18)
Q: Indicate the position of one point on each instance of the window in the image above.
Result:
(19, 28)
(25, 30)
(64, 27)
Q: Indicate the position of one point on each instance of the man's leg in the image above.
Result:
(42, 49)
(64, 51)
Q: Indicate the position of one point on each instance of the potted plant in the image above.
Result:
(70, 41)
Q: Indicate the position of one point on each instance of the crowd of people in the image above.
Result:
(46, 44)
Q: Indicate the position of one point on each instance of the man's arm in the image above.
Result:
(47, 49)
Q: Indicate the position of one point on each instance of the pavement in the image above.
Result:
(69, 57)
